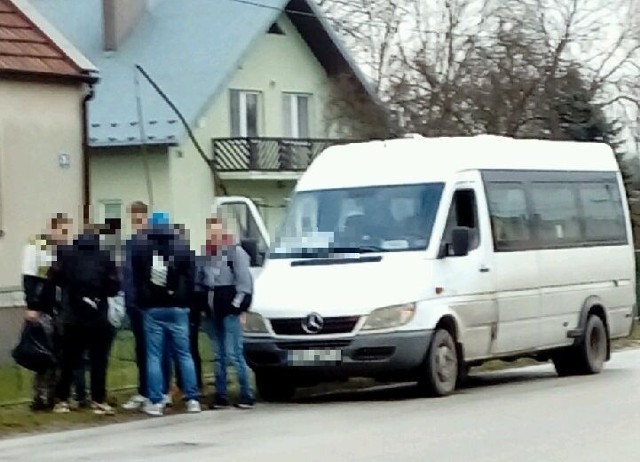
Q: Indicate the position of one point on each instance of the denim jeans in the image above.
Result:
(226, 334)
(137, 327)
(162, 325)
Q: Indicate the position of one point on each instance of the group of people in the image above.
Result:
(169, 292)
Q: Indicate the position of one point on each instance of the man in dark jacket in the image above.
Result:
(163, 279)
(87, 277)
(139, 214)
(40, 297)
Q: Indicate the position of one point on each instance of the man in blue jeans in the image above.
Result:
(227, 277)
(140, 223)
(163, 272)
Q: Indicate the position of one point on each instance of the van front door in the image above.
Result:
(468, 282)
(243, 220)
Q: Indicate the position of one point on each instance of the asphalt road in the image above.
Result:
(526, 415)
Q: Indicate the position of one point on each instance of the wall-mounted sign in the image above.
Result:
(64, 160)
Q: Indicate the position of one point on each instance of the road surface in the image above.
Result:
(526, 415)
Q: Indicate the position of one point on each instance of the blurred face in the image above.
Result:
(61, 233)
(215, 233)
(139, 221)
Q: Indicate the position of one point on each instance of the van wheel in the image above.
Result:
(439, 374)
(589, 356)
(274, 388)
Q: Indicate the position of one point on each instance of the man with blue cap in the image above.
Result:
(141, 223)
(163, 273)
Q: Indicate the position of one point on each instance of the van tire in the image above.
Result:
(589, 356)
(274, 388)
(440, 370)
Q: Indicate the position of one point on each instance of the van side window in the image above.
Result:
(556, 217)
(603, 214)
(510, 221)
(463, 212)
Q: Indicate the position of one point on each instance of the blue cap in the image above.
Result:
(159, 219)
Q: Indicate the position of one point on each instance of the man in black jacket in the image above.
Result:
(163, 271)
(87, 276)
(40, 297)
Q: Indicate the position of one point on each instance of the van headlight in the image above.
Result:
(255, 324)
(390, 317)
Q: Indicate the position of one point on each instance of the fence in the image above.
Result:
(16, 383)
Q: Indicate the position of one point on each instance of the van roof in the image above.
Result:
(422, 160)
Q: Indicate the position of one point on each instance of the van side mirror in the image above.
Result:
(460, 241)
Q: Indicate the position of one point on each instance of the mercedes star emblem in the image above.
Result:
(313, 323)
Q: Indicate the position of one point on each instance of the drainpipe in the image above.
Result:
(86, 188)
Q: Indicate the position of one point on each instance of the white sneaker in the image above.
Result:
(167, 401)
(62, 408)
(154, 410)
(102, 409)
(193, 406)
(136, 402)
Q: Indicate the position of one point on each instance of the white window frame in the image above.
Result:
(242, 111)
(293, 131)
(103, 208)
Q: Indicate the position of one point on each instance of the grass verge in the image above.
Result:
(15, 385)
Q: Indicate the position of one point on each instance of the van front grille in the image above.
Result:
(336, 325)
(314, 345)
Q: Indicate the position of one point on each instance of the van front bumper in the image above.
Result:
(370, 355)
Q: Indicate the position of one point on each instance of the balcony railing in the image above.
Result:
(268, 154)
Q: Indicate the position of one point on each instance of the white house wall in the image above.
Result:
(118, 174)
(38, 123)
(278, 64)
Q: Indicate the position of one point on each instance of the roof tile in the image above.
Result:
(25, 48)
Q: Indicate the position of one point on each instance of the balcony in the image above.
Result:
(268, 157)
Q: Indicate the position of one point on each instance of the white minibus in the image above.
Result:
(418, 258)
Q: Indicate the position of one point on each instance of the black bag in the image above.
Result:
(35, 350)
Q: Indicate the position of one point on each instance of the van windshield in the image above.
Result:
(358, 220)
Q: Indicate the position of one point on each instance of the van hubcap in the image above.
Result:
(597, 346)
(446, 364)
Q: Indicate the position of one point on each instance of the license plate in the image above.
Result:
(314, 357)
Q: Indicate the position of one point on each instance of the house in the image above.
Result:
(252, 80)
(45, 84)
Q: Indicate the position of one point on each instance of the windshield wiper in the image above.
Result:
(359, 249)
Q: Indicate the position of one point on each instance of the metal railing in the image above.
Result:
(268, 154)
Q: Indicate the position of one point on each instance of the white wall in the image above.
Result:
(37, 123)
(119, 174)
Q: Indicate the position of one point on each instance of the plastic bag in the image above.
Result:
(35, 350)
(117, 311)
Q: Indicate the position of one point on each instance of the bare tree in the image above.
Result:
(498, 66)
(371, 30)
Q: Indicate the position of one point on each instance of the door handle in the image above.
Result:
(484, 269)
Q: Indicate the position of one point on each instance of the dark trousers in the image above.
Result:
(137, 328)
(45, 382)
(195, 321)
(96, 339)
